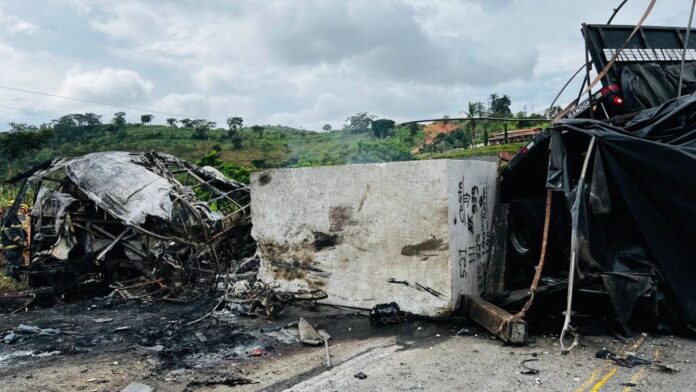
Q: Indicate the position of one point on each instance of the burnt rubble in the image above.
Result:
(145, 223)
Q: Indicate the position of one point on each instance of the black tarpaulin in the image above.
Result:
(646, 85)
(640, 215)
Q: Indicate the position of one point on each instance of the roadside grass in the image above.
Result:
(473, 152)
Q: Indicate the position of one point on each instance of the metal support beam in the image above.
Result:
(495, 320)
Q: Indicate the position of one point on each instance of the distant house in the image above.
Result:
(516, 136)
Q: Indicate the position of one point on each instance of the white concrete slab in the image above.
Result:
(350, 229)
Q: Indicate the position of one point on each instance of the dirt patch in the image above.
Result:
(420, 248)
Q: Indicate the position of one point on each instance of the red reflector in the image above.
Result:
(610, 88)
(524, 150)
(617, 100)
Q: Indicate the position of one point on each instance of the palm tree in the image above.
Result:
(475, 109)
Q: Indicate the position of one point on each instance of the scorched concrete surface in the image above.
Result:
(417, 233)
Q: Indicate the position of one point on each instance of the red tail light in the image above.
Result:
(617, 100)
(612, 88)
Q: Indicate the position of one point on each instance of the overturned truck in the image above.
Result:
(116, 216)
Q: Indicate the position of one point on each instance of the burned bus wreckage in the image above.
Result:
(119, 216)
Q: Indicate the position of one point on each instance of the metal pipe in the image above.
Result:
(686, 45)
(616, 11)
(575, 213)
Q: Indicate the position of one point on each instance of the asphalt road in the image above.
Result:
(414, 356)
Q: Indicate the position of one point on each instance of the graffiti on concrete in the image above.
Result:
(473, 213)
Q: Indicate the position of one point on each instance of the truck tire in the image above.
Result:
(525, 231)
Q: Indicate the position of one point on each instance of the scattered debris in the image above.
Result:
(138, 387)
(667, 368)
(283, 336)
(103, 320)
(287, 334)
(34, 330)
(464, 332)
(215, 381)
(325, 336)
(385, 314)
(527, 369)
(254, 299)
(308, 334)
(417, 286)
(495, 320)
(627, 361)
(201, 337)
(10, 338)
(360, 376)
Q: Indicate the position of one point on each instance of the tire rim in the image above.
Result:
(520, 238)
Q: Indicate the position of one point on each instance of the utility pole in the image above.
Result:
(505, 140)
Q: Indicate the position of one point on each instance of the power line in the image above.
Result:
(89, 101)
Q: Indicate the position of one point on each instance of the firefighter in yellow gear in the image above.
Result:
(24, 217)
(13, 240)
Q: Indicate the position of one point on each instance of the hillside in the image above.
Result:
(273, 146)
(241, 152)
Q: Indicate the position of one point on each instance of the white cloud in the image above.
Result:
(16, 25)
(107, 85)
(303, 63)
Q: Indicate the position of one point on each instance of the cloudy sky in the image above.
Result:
(301, 63)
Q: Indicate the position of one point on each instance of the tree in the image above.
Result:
(93, 119)
(359, 122)
(499, 106)
(119, 120)
(200, 129)
(552, 112)
(235, 123)
(21, 139)
(187, 123)
(235, 140)
(475, 109)
(326, 127)
(172, 122)
(258, 129)
(382, 128)
(146, 118)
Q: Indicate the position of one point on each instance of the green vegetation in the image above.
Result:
(235, 151)
(240, 149)
(473, 152)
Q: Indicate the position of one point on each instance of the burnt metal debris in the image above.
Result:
(146, 222)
